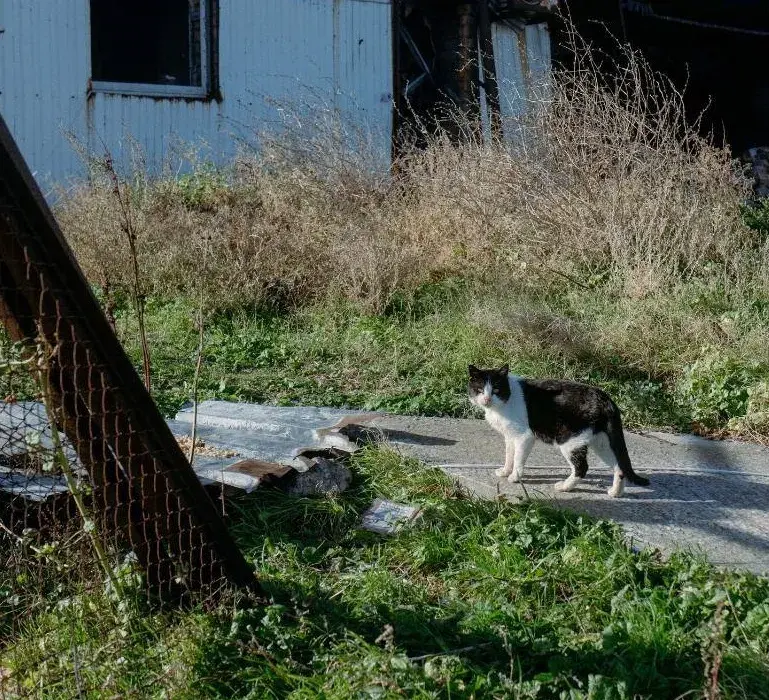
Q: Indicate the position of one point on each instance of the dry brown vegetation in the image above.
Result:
(603, 240)
(606, 179)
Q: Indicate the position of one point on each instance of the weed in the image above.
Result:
(610, 188)
(657, 360)
(757, 216)
(477, 600)
(718, 387)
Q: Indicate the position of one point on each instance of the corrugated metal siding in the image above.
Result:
(538, 56)
(276, 57)
(510, 71)
(522, 60)
(362, 60)
(43, 72)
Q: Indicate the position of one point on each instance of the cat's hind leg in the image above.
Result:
(576, 456)
(618, 486)
(606, 455)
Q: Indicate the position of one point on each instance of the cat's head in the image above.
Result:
(488, 387)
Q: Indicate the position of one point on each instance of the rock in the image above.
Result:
(324, 478)
(362, 434)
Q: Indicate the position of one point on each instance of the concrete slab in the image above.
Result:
(711, 496)
(704, 495)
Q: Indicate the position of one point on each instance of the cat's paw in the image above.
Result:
(501, 472)
(566, 485)
(514, 478)
(616, 491)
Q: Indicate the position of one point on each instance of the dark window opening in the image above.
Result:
(148, 42)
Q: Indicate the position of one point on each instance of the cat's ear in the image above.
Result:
(473, 370)
(504, 370)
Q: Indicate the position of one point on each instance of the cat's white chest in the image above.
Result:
(497, 421)
(510, 418)
(507, 425)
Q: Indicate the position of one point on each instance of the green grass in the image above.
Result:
(697, 358)
(476, 600)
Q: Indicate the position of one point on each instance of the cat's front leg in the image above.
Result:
(509, 466)
(522, 450)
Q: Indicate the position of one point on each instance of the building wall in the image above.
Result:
(277, 59)
(522, 59)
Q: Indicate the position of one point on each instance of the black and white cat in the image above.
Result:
(574, 416)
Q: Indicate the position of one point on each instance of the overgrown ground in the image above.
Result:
(476, 600)
(695, 359)
(610, 243)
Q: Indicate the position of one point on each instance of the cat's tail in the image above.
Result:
(618, 446)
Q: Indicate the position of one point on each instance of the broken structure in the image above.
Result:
(218, 74)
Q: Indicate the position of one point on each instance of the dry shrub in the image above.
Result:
(604, 179)
(606, 175)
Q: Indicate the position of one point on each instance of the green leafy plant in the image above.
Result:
(756, 216)
(716, 388)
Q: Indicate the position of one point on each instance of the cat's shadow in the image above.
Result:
(722, 508)
(405, 437)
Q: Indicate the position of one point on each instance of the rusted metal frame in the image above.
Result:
(75, 413)
(125, 476)
(490, 85)
(43, 236)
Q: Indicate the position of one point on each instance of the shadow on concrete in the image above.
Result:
(726, 514)
(703, 494)
(405, 437)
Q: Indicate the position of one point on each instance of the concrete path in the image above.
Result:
(704, 495)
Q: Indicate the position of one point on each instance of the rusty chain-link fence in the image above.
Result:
(94, 489)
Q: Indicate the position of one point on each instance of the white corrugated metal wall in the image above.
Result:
(275, 57)
(44, 68)
(522, 61)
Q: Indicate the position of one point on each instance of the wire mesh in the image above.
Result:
(95, 493)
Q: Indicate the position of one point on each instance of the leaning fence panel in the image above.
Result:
(95, 492)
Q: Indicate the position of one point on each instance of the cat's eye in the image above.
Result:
(495, 391)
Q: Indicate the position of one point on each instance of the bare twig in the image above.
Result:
(460, 650)
(128, 227)
(201, 345)
(713, 653)
(196, 382)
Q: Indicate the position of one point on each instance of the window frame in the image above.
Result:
(201, 92)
